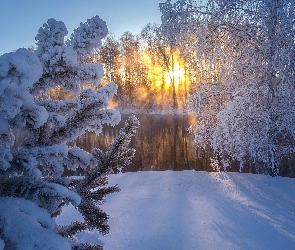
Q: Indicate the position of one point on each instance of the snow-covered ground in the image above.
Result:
(198, 210)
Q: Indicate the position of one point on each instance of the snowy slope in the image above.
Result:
(200, 210)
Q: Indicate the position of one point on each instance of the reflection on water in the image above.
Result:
(162, 142)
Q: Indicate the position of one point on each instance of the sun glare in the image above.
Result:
(175, 75)
(160, 76)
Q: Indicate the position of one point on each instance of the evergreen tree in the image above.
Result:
(32, 189)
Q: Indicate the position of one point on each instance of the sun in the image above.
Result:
(168, 81)
(173, 73)
(176, 75)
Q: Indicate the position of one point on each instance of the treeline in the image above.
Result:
(150, 73)
(154, 70)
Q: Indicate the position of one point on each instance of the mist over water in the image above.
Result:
(162, 142)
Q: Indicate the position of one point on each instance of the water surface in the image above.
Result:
(162, 142)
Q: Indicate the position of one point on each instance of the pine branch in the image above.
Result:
(86, 246)
(70, 230)
(117, 157)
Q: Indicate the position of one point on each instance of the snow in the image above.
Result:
(199, 210)
(18, 71)
(5, 157)
(78, 158)
(22, 67)
(196, 210)
(1, 244)
(30, 228)
(88, 36)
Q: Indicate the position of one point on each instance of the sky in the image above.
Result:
(20, 20)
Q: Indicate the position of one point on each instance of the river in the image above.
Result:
(162, 142)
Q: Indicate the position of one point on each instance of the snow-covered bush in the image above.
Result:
(32, 189)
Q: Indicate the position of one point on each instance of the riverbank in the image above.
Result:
(198, 210)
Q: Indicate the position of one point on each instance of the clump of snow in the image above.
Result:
(5, 157)
(26, 67)
(64, 192)
(52, 31)
(78, 158)
(28, 226)
(4, 126)
(69, 214)
(2, 245)
(18, 71)
(88, 36)
(90, 73)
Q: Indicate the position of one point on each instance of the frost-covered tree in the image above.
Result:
(109, 54)
(245, 113)
(32, 189)
(257, 126)
(170, 31)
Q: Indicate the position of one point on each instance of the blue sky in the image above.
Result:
(21, 19)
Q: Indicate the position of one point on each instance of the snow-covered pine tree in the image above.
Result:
(32, 188)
